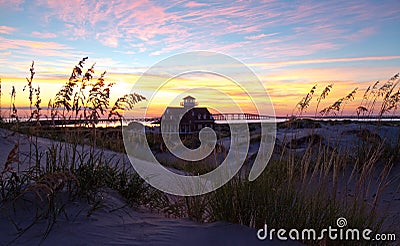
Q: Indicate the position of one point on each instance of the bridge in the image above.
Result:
(240, 116)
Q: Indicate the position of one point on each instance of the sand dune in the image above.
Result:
(113, 223)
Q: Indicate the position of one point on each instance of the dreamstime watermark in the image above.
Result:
(331, 233)
(243, 81)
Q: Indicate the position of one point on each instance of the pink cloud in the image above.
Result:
(7, 29)
(193, 4)
(44, 34)
(109, 40)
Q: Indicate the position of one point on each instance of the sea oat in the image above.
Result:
(323, 95)
(125, 102)
(305, 101)
(339, 104)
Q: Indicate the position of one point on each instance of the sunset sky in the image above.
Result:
(290, 45)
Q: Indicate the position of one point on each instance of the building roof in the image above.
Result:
(189, 97)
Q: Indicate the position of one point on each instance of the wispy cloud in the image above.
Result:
(181, 25)
(260, 36)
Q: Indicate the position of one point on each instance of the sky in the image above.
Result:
(290, 45)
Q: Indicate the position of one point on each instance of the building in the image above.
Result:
(192, 118)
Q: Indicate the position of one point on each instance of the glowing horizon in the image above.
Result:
(284, 97)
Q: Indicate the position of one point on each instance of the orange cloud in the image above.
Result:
(49, 48)
(326, 60)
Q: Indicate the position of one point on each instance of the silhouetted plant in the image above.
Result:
(90, 101)
(63, 98)
(393, 101)
(323, 95)
(13, 109)
(79, 96)
(125, 102)
(1, 106)
(390, 98)
(305, 101)
(99, 99)
(30, 87)
(361, 109)
(339, 104)
(36, 112)
(373, 94)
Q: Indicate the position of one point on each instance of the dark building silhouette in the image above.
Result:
(193, 118)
